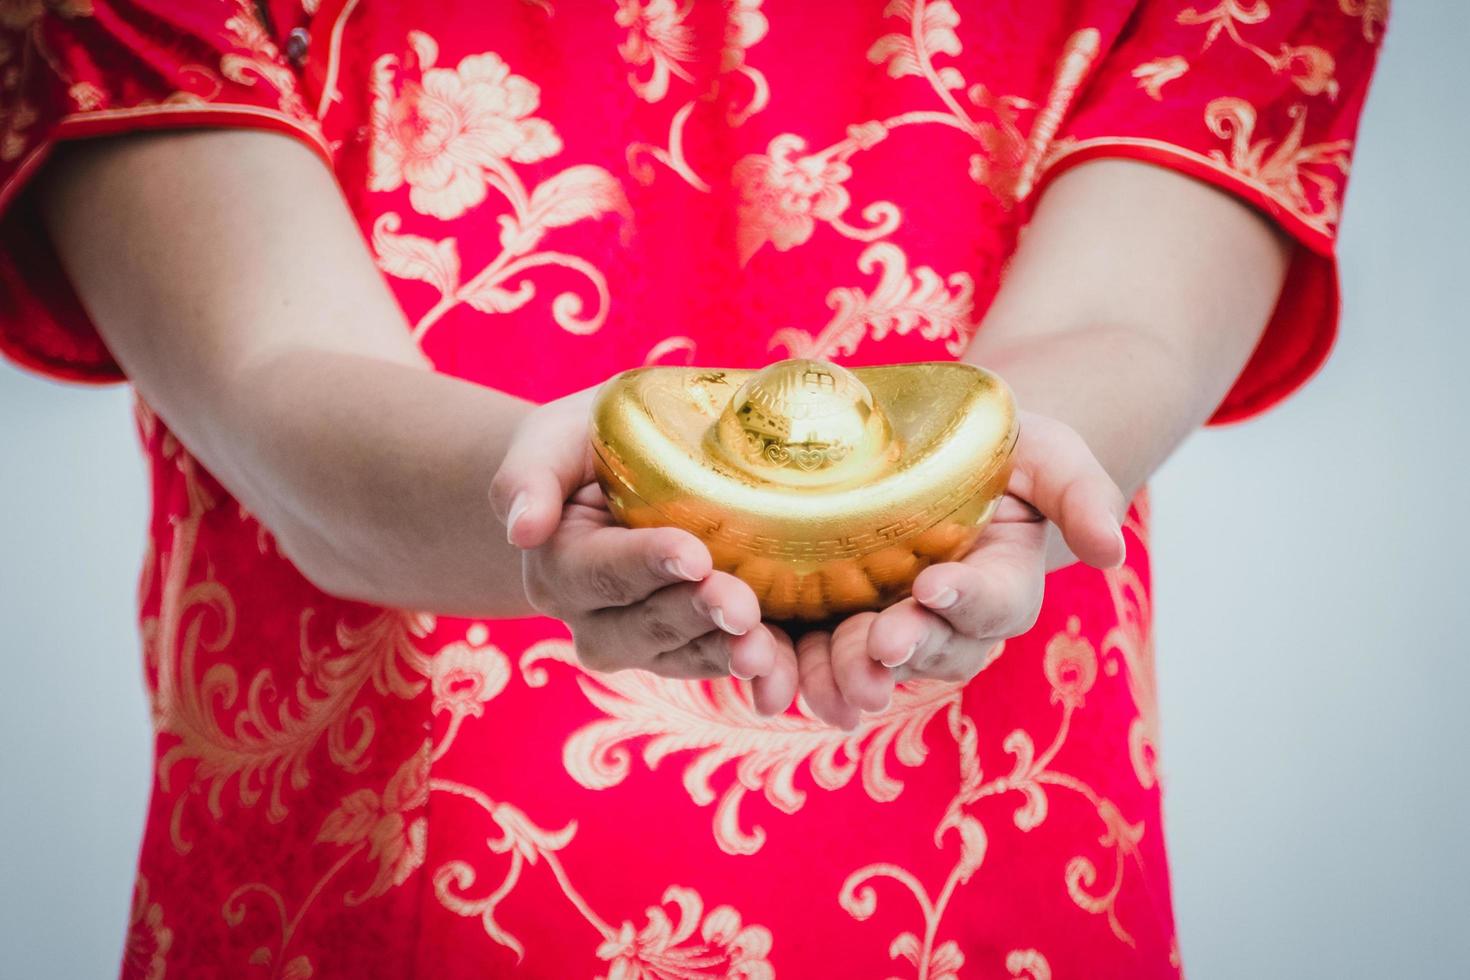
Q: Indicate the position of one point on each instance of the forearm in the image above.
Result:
(374, 477)
(230, 282)
(1133, 302)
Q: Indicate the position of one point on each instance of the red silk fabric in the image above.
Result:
(557, 191)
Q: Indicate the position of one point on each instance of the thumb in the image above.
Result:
(1055, 472)
(548, 460)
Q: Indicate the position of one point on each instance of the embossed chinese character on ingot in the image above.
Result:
(827, 490)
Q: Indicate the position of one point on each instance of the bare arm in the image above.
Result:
(230, 282)
(227, 276)
(1133, 301)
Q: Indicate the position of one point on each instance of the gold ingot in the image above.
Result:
(826, 490)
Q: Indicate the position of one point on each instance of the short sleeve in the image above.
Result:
(1260, 98)
(72, 69)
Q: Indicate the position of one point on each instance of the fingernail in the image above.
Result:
(908, 654)
(675, 570)
(1122, 546)
(942, 599)
(517, 508)
(739, 676)
(718, 616)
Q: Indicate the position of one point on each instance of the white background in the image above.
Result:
(1311, 616)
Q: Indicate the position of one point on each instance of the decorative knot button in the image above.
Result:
(827, 490)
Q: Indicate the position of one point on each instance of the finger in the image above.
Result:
(582, 570)
(863, 682)
(996, 590)
(774, 692)
(1057, 473)
(906, 634)
(549, 459)
(676, 614)
(753, 655)
(703, 658)
(818, 686)
(934, 649)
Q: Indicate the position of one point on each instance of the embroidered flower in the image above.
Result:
(443, 133)
(395, 838)
(784, 194)
(657, 36)
(658, 950)
(145, 954)
(466, 675)
(745, 25)
(1070, 665)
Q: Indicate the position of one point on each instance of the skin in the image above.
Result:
(1133, 301)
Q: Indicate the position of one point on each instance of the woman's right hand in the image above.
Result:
(634, 598)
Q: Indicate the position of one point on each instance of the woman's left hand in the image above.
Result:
(960, 611)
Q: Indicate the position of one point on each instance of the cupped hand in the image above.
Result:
(960, 611)
(633, 598)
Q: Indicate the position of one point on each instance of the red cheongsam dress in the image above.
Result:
(557, 190)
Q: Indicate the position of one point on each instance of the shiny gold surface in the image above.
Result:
(827, 490)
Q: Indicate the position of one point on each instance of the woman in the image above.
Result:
(336, 362)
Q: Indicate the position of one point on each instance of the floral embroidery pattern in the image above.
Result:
(783, 195)
(658, 950)
(1071, 668)
(1373, 14)
(1027, 964)
(1310, 67)
(1300, 174)
(145, 955)
(717, 723)
(465, 676)
(451, 136)
(657, 38)
(922, 301)
(660, 37)
(450, 131)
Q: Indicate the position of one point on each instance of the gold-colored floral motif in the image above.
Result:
(1306, 176)
(717, 722)
(261, 58)
(1027, 964)
(1310, 68)
(451, 132)
(395, 833)
(1154, 75)
(1373, 14)
(1132, 642)
(662, 950)
(783, 194)
(262, 745)
(1071, 666)
(659, 37)
(465, 676)
(451, 136)
(938, 308)
(658, 950)
(145, 953)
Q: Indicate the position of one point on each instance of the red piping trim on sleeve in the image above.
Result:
(1311, 231)
(1312, 276)
(112, 122)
